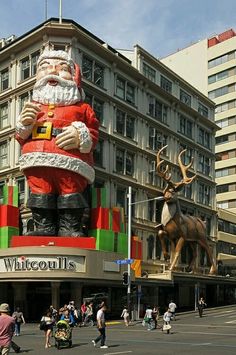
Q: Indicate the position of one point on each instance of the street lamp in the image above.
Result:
(130, 203)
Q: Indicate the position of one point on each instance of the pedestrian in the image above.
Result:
(167, 318)
(101, 325)
(7, 327)
(148, 317)
(83, 309)
(201, 305)
(68, 317)
(125, 315)
(19, 319)
(172, 308)
(155, 315)
(89, 313)
(54, 313)
(49, 322)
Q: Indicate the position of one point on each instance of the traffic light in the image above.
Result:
(125, 278)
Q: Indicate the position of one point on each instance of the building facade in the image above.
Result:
(142, 105)
(210, 66)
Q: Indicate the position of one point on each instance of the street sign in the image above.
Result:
(124, 261)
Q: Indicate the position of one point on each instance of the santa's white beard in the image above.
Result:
(63, 94)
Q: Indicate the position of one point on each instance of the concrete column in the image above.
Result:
(55, 292)
(76, 293)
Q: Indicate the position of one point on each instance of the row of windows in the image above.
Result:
(221, 75)
(222, 59)
(226, 155)
(225, 172)
(186, 128)
(225, 122)
(225, 138)
(227, 204)
(225, 188)
(221, 91)
(225, 106)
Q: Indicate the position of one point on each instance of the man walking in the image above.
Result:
(172, 308)
(101, 324)
(7, 326)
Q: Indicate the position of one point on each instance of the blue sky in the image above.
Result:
(159, 26)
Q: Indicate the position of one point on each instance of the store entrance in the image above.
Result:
(38, 300)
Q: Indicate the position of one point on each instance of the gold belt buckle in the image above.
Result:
(42, 130)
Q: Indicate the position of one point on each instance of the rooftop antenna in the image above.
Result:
(60, 11)
(46, 10)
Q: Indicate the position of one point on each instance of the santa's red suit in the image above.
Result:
(40, 154)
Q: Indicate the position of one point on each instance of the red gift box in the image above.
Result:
(136, 248)
(70, 242)
(99, 218)
(9, 216)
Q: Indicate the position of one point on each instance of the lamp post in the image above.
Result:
(130, 203)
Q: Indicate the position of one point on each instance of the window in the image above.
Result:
(166, 84)
(220, 60)
(203, 137)
(202, 109)
(23, 99)
(1, 192)
(226, 122)
(97, 105)
(4, 79)
(125, 124)
(149, 72)
(188, 154)
(157, 109)
(4, 121)
(21, 189)
(98, 154)
(125, 90)
(93, 71)
(157, 139)
(219, 76)
(204, 164)
(222, 172)
(121, 198)
(124, 162)
(204, 194)
(3, 154)
(150, 247)
(29, 65)
(221, 91)
(185, 98)
(225, 106)
(185, 126)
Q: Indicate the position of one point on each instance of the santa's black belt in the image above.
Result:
(45, 130)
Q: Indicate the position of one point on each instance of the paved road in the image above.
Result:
(212, 334)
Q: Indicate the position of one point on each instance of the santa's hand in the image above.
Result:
(69, 139)
(29, 113)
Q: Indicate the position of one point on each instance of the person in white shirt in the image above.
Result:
(172, 308)
(148, 317)
(101, 325)
(125, 315)
(167, 318)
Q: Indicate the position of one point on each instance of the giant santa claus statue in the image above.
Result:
(58, 133)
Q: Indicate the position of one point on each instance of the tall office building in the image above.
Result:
(210, 66)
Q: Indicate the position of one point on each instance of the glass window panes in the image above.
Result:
(25, 68)
(4, 121)
(185, 98)
(149, 72)
(202, 109)
(93, 71)
(3, 154)
(98, 154)
(4, 79)
(166, 84)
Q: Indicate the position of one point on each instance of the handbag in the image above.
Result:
(42, 325)
(166, 326)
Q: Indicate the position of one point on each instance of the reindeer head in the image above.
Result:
(172, 188)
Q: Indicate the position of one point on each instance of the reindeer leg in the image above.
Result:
(178, 249)
(213, 269)
(192, 265)
(162, 234)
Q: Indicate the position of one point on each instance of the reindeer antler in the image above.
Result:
(166, 175)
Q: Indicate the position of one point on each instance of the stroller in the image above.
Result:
(63, 335)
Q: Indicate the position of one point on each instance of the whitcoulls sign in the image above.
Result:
(45, 263)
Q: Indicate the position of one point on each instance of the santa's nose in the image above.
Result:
(53, 69)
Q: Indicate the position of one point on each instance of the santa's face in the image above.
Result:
(55, 84)
(56, 67)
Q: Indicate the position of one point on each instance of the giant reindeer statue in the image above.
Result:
(176, 226)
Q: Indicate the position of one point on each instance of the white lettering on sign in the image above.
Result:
(23, 263)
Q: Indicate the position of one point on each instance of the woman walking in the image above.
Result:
(125, 315)
(48, 327)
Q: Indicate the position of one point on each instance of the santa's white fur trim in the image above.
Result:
(49, 53)
(36, 159)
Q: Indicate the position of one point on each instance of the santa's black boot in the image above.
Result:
(43, 207)
(70, 215)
